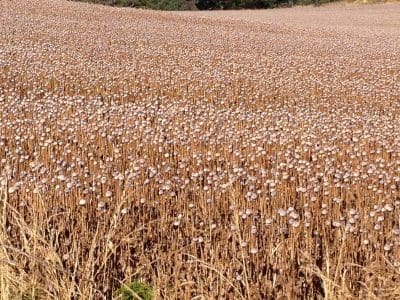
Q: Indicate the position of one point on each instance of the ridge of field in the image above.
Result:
(229, 154)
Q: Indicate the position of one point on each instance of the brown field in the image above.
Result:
(212, 155)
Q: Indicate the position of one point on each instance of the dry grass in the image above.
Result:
(220, 155)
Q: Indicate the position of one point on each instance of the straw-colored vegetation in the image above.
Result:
(223, 155)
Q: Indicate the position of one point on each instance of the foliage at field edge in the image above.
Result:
(206, 4)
